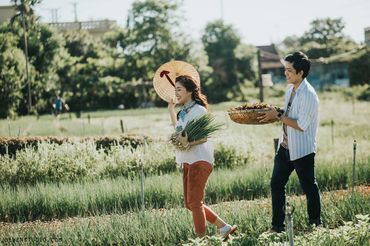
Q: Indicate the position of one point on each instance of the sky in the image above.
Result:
(258, 22)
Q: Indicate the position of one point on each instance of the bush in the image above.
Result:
(229, 157)
(365, 93)
(10, 145)
(359, 73)
(361, 92)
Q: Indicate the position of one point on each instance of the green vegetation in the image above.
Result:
(174, 226)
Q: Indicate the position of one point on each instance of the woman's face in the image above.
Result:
(183, 96)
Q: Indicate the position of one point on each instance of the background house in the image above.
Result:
(96, 28)
(367, 36)
(270, 63)
(6, 13)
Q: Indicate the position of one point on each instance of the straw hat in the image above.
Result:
(165, 78)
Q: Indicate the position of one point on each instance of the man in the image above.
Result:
(297, 143)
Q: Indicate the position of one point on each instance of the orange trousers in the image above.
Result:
(195, 178)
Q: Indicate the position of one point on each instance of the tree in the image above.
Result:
(325, 38)
(220, 41)
(44, 46)
(26, 16)
(41, 47)
(290, 44)
(11, 75)
(152, 37)
(358, 69)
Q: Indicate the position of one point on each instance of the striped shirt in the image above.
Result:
(305, 110)
(286, 113)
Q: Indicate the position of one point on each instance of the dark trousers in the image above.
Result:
(305, 169)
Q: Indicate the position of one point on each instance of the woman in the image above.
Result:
(197, 160)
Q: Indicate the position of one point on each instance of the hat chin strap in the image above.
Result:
(165, 73)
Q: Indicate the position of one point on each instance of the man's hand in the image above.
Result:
(269, 115)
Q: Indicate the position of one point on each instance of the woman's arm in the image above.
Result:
(200, 141)
(185, 142)
(171, 109)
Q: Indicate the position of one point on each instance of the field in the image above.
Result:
(73, 194)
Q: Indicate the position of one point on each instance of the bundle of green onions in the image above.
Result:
(196, 129)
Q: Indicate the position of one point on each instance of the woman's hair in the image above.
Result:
(190, 85)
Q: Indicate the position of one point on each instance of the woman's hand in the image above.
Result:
(171, 109)
(172, 104)
(183, 139)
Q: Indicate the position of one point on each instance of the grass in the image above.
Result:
(174, 226)
(103, 191)
(120, 195)
(253, 142)
(76, 162)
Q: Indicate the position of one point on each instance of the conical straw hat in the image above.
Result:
(165, 78)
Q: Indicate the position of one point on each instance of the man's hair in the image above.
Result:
(300, 62)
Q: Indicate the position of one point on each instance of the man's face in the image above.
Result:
(291, 74)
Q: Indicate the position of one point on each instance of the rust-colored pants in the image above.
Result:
(195, 178)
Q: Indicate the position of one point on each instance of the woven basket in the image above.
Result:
(248, 116)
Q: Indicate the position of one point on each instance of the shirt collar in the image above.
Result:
(302, 86)
(188, 105)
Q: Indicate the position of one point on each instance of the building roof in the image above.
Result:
(101, 25)
(268, 48)
(270, 57)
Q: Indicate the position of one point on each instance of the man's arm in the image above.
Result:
(273, 114)
(290, 122)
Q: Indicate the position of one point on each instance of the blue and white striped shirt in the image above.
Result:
(305, 110)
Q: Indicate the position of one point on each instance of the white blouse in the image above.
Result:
(200, 152)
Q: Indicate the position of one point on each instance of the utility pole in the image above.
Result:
(75, 10)
(26, 53)
(54, 15)
(260, 74)
(222, 9)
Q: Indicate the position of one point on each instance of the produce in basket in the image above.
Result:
(248, 113)
(196, 129)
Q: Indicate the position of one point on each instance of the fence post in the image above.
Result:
(10, 133)
(290, 210)
(142, 176)
(332, 132)
(354, 166)
(122, 129)
(142, 186)
(276, 142)
(353, 104)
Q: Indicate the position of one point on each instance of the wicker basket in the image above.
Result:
(248, 116)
